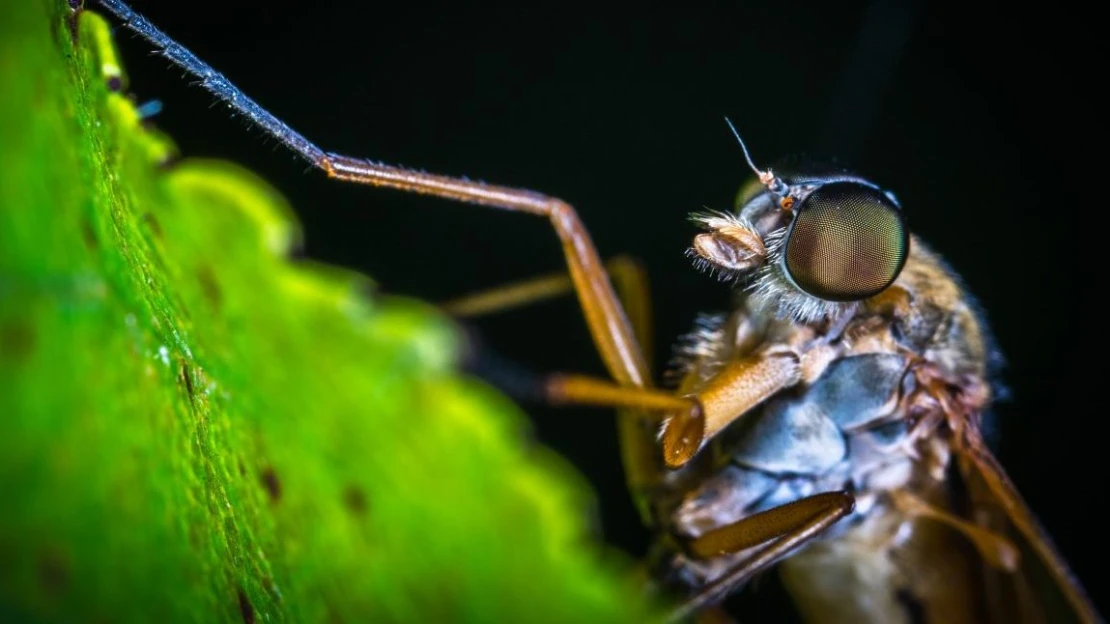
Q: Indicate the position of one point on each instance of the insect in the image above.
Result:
(854, 335)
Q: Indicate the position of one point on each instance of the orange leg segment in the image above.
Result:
(605, 316)
(790, 526)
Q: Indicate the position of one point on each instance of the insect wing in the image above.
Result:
(1043, 589)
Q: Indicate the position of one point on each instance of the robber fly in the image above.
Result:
(841, 406)
(830, 423)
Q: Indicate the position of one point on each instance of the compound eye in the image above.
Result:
(847, 242)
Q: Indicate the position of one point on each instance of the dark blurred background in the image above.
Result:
(982, 121)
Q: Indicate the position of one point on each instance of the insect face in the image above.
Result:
(811, 244)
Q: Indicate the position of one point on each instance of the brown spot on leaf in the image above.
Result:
(152, 224)
(209, 286)
(245, 608)
(17, 339)
(355, 500)
(272, 484)
(187, 380)
(53, 572)
(197, 534)
(88, 234)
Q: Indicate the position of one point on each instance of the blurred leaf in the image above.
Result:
(197, 428)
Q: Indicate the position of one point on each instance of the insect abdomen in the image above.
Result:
(889, 568)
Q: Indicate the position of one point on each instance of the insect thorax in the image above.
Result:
(866, 417)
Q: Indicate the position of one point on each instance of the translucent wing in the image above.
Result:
(1043, 589)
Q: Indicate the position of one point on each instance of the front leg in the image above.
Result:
(790, 526)
(732, 392)
(692, 420)
(606, 318)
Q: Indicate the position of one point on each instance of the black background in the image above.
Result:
(981, 120)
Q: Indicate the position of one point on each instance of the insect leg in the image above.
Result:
(637, 429)
(583, 390)
(509, 296)
(995, 549)
(606, 318)
(628, 277)
(793, 524)
(732, 392)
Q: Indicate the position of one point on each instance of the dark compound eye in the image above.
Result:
(848, 242)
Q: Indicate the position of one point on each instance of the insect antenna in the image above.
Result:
(767, 178)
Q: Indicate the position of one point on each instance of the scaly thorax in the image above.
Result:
(872, 416)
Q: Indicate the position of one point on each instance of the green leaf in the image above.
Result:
(197, 428)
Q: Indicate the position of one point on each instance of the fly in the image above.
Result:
(843, 399)
(829, 423)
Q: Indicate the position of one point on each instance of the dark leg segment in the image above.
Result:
(793, 524)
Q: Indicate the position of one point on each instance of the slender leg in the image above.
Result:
(626, 273)
(640, 456)
(793, 524)
(690, 421)
(582, 390)
(605, 317)
(509, 296)
(608, 322)
(995, 549)
(631, 280)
